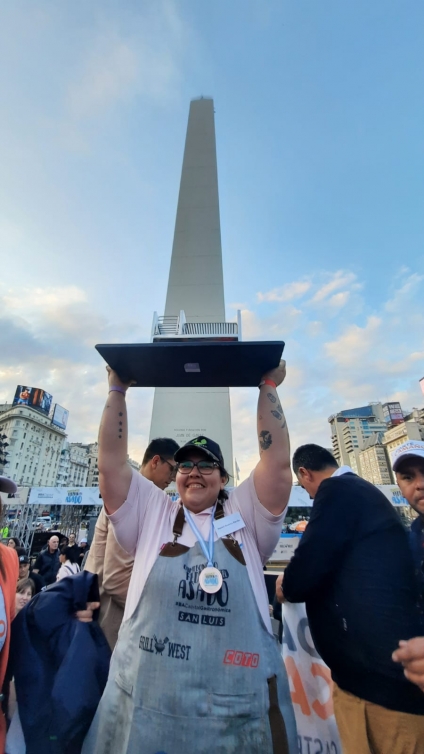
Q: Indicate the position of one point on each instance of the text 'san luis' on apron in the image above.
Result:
(192, 672)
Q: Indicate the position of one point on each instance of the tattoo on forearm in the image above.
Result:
(265, 439)
(271, 397)
(284, 424)
(277, 414)
(279, 408)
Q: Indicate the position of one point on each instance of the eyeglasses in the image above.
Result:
(172, 466)
(204, 467)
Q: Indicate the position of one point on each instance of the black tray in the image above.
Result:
(239, 364)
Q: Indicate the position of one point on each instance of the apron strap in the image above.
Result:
(180, 520)
(178, 524)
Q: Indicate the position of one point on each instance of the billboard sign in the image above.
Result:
(65, 496)
(33, 397)
(60, 416)
(393, 413)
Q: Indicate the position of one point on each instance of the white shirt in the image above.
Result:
(343, 470)
(143, 524)
(67, 569)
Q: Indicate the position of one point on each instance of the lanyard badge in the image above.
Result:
(210, 579)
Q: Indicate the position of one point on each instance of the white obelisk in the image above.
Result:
(196, 286)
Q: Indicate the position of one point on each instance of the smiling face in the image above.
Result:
(410, 478)
(22, 599)
(199, 491)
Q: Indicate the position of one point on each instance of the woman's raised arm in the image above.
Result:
(114, 472)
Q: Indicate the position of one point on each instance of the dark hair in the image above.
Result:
(223, 494)
(69, 553)
(21, 551)
(162, 446)
(314, 458)
(25, 584)
(15, 540)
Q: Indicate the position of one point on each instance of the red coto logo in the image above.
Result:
(245, 659)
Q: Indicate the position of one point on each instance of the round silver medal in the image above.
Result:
(210, 580)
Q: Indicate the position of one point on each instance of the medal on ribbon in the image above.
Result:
(210, 578)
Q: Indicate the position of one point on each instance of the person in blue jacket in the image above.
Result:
(54, 639)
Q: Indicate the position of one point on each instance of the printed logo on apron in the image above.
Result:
(156, 646)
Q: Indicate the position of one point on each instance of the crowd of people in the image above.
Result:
(175, 587)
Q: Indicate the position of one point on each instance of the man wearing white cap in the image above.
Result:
(408, 465)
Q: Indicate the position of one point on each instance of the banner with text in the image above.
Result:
(310, 684)
(65, 496)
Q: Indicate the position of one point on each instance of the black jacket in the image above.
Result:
(60, 666)
(48, 564)
(354, 569)
(416, 541)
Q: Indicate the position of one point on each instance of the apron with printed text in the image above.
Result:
(195, 673)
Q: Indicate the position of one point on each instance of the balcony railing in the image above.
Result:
(177, 328)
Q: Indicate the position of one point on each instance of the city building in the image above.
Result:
(373, 463)
(33, 445)
(408, 430)
(92, 450)
(78, 465)
(351, 428)
(417, 415)
(64, 466)
(196, 287)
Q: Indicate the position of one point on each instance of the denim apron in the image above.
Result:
(195, 673)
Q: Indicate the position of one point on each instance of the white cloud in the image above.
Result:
(339, 279)
(109, 76)
(339, 299)
(143, 58)
(47, 339)
(287, 292)
(354, 343)
(400, 299)
(337, 362)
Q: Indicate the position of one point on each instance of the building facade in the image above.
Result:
(417, 415)
(351, 428)
(64, 466)
(34, 446)
(409, 430)
(78, 465)
(93, 461)
(373, 461)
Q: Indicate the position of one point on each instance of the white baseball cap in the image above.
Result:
(7, 485)
(409, 449)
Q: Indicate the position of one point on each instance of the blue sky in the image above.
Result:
(319, 122)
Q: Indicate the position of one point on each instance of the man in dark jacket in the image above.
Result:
(353, 569)
(408, 465)
(47, 563)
